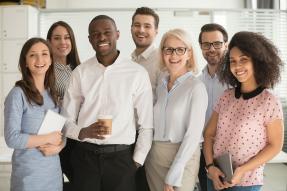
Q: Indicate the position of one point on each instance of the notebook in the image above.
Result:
(52, 122)
(224, 163)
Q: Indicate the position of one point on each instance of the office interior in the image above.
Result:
(20, 22)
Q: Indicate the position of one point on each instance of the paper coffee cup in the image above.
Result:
(108, 120)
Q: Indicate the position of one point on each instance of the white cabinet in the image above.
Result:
(10, 54)
(17, 24)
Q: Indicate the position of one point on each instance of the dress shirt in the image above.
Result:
(179, 118)
(149, 59)
(214, 90)
(114, 90)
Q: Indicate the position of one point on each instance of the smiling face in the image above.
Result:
(38, 59)
(143, 30)
(103, 36)
(60, 42)
(175, 64)
(241, 67)
(213, 56)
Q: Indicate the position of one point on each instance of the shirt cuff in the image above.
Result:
(175, 175)
(139, 157)
(72, 131)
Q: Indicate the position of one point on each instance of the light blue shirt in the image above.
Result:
(179, 118)
(214, 90)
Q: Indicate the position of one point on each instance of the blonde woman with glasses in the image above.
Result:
(179, 113)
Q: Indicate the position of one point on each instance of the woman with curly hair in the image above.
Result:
(247, 121)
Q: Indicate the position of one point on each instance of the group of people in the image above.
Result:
(168, 125)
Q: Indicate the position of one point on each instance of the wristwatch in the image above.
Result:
(208, 166)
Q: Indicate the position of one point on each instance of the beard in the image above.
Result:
(215, 59)
(140, 44)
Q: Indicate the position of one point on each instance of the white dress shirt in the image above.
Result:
(149, 59)
(114, 90)
(179, 118)
(214, 90)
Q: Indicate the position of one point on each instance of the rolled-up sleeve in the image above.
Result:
(143, 103)
(71, 106)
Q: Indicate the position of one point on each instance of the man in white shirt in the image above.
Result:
(107, 84)
(144, 29)
(213, 43)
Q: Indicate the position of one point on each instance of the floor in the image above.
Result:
(275, 177)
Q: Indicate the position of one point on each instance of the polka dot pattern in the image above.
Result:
(241, 128)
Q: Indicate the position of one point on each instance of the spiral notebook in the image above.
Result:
(52, 122)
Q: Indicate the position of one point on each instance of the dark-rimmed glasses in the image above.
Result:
(207, 45)
(169, 50)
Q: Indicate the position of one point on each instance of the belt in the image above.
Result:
(101, 149)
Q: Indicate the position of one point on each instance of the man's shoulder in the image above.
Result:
(131, 64)
(87, 63)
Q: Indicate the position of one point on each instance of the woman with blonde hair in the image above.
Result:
(179, 114)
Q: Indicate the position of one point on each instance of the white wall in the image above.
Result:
(214, 4)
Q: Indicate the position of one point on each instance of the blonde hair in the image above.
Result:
(183, 36)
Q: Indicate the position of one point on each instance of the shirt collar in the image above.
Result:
(145, 54)
(205, 73)
(248, 95)
(179, 80)
(62, 66)
(120, 57)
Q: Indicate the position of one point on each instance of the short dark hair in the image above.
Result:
(73, 56)
(267, 64)
(213, 27)
(102, 17)
(147, 11)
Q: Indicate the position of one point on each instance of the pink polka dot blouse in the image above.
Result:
(241, 129)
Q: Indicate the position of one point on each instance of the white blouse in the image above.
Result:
(179, 117)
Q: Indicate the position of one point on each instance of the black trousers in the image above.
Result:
(202, 176)
(65, 158)
(141, 181)
(111, 171)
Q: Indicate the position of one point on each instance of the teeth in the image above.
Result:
(104, 44)
(240, 73)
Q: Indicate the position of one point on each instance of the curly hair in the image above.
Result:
(264, 55)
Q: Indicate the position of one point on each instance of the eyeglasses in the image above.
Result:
(169, 50)
(207, 45)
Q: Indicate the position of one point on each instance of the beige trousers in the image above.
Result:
(159, 161)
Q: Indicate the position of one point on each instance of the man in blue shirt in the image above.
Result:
(213, 43)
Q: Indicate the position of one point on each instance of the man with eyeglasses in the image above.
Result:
(144, 29)
(213, 43)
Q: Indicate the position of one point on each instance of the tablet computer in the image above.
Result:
(52, 122)
(224, 163)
